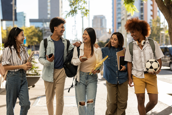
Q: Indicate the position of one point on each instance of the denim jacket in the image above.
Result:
(48, 67)
(111, 72)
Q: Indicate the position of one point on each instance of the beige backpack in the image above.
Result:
(2, 70)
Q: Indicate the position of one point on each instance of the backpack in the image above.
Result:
(70, 69)
(2, 70)
(151, 42)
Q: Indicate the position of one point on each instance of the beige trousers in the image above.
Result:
(56, 87)
(117, 96)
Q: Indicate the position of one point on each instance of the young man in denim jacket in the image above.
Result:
(53, 72)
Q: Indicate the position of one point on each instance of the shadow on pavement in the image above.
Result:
(166, 111)
(2, 91)
(34, 98)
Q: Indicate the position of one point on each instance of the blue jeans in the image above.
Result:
(85, 91)
(17, 87)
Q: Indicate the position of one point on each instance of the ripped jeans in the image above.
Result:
(85, 92)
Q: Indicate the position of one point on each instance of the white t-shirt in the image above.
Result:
(140, 57)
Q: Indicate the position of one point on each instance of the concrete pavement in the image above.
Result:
(38, 102)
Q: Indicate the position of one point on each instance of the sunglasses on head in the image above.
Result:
(16, 28)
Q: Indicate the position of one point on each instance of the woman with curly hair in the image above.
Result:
(141, 52)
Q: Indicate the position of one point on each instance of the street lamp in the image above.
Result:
(13, 10)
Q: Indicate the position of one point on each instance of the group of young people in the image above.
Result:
(53, 73)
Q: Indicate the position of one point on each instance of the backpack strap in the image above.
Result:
(68, 43)
(151, 42)
(45, 45)
(131, 49)
(74, 77)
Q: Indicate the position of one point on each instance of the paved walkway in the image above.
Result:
(38, 104)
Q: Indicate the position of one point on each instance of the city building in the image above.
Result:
(99, 25)
(147, 12)
(47, 9)
(21, 20)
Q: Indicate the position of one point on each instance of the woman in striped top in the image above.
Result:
(15, 61)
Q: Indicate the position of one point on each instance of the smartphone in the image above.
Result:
(50, 55)
(84, 57)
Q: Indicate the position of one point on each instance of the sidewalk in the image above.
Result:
(38, 102)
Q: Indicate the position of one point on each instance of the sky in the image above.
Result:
(73, 25)
(30, 8)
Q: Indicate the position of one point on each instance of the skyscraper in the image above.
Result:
(147, 11)
(99, 25)
(47, 9)
(21, 20)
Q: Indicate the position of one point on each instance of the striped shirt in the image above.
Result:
(10, 57)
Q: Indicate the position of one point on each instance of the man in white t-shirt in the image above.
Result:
(141, 52)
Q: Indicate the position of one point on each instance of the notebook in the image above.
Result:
(118, 54)
(30, 57)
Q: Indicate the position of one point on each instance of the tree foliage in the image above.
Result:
(76, 6)
(33, 35)
(130, 7)
(4, 34)
(156, 29)
(165, 7)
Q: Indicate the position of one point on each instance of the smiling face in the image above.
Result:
(86, 37)
(114, 41)
(20, 38)
(136, 34)
(59, 30)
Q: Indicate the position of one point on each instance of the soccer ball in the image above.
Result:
(152, 65)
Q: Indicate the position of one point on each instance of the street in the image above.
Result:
(38, 101)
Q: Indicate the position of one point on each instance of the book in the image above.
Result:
(118, 54)
(98, 65)
(30, 57)
(121, 61)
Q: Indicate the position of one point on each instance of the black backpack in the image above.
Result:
(70, 69)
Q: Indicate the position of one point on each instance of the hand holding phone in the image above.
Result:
(50, 55)
(84, 58)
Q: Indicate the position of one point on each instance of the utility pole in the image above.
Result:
(13, 10)
(82, 25)
(89, 13)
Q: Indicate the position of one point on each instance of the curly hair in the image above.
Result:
(139, 25)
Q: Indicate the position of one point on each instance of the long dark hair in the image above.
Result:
(11, 41)
(92, 34)
(120, 40)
